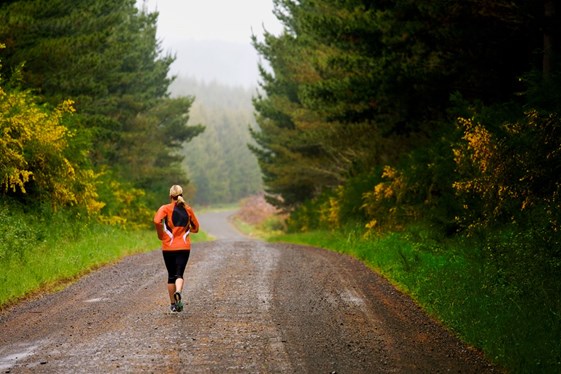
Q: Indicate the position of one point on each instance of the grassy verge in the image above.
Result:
(516, 322)
(40, 255)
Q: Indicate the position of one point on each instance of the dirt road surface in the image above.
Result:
(252, 307)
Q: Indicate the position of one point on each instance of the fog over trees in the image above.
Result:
(220, 166)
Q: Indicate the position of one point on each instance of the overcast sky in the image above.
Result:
(212, 38)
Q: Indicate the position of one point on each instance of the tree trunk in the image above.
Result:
(548, 40)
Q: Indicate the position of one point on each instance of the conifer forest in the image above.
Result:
(436, 120)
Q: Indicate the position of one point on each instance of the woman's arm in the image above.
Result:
(194, 221)
(160, 214)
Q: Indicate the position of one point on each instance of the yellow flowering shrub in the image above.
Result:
(32, 154)
(385, 204)
(124, 204)
(330, 211)
(503, 177)
(483, 184)
(479, 158)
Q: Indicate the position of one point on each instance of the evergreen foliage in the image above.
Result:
(103, 55)
(356, 84)
(436, 113)
(357, 87)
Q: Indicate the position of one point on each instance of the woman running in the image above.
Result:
(174, 222)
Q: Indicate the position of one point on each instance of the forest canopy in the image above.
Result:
(392, 112)
(95, 72)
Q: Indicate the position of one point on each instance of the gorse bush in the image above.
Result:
(503, 177)
(38, 166)
(33, 154)
(488, 176)
(348, 199)
(43, 161)
(386, 202)
(124, 204)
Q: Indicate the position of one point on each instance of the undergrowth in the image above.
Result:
(40, 249)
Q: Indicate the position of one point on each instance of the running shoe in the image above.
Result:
(178, 302)
(173, 308)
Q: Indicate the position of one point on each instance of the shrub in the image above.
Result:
(507, 174)
(34, 163)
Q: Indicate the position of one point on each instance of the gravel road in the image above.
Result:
(252, 307)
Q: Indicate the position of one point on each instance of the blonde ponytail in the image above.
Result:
(176, 193)
(180, 200)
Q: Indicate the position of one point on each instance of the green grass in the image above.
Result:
(39, 254)
(514, 318)
(54, 261)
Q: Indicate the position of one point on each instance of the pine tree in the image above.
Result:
(104, 55)
(357, 84)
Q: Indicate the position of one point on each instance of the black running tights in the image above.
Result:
(176, 261)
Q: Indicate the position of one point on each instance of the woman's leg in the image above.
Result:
(171, 292)
(176, 262)
(179, 285)
(169, 260)
(181, 263)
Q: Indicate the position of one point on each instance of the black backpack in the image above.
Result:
(180, 217)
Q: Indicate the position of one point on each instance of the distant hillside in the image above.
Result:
(219, 163)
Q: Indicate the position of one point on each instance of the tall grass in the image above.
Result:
(514, 316)
(40, 250)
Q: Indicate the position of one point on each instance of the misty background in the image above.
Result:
(216, 63)
(211, 39)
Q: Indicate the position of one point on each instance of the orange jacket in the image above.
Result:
(173, 227)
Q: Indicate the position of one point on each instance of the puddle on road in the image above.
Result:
(95, 300)
(10, 355)
(352, 298)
